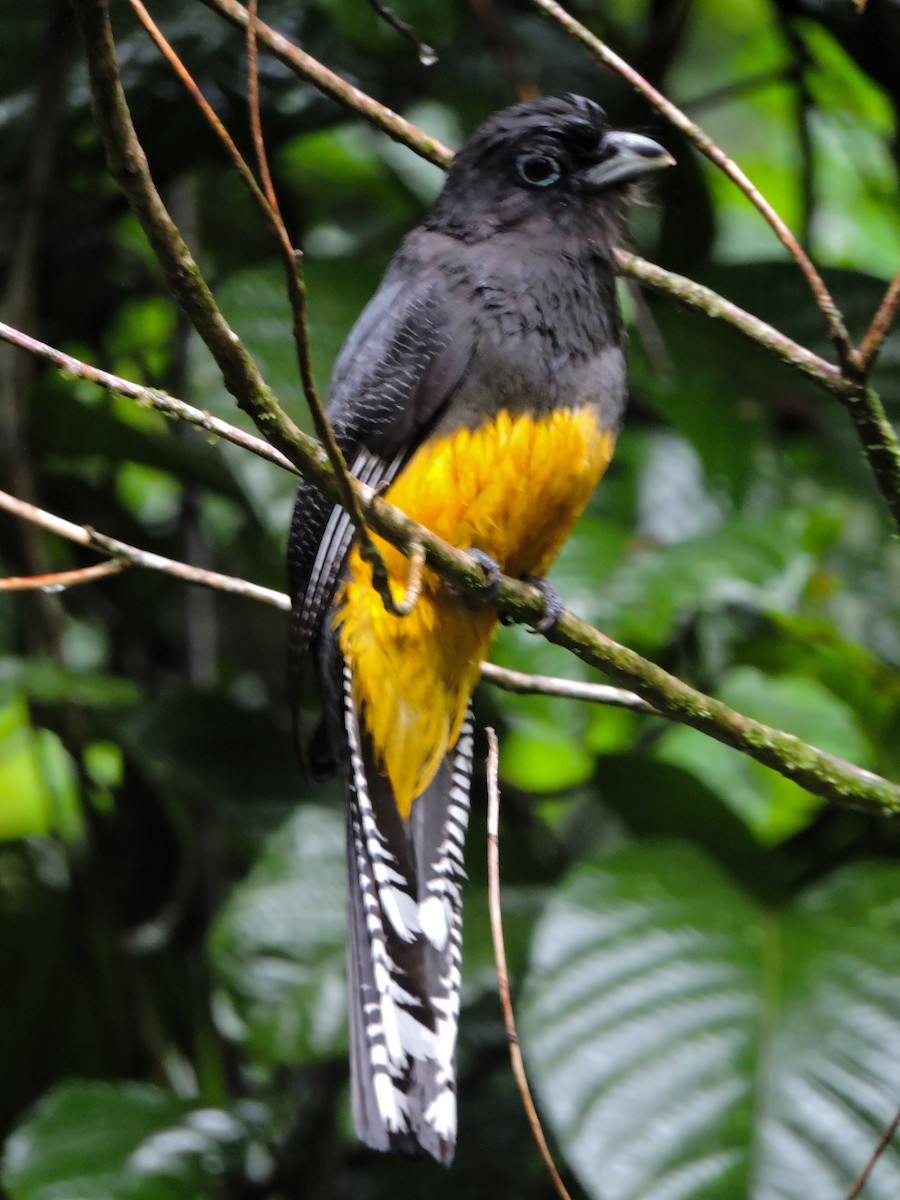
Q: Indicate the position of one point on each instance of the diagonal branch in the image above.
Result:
(704, 300)
(820, 773)
(332, 85)
(267, 202)
(426, 54)
(606, 57)
(128, 166)
(162, 402)
(131, 556)
(883, 1143)
(876, 434)
(881, 324)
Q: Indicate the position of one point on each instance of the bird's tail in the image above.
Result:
(405, 946)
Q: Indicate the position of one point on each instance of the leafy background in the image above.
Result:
(705, 958)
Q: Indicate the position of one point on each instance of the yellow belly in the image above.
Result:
(513, 488)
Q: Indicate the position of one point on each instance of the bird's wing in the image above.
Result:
(403, 360)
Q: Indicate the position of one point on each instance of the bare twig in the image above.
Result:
(132, 556)
(128, 166)
(704, 300)
(291, 261)
(259, 144)
(569, 689)
(876, 434)
(821, 773)
(885, 1140)
(496, 915)
(153, 398)
(58, 581)
(606, 57)
(881, 324)
(338, 89)
(427, 55)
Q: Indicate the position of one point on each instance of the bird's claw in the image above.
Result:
(492, 577)
(553, 604)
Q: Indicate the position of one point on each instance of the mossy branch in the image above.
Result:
(128, 166)
(819, 772)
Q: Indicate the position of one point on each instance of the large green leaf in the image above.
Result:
(38, 792)
(278, 947)
(124, 1141)
(688, 1043)
(772, 807)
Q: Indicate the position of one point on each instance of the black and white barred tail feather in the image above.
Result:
(405, 947)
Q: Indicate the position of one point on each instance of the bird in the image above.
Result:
(480, 391)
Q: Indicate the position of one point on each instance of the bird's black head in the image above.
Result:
(552, 159)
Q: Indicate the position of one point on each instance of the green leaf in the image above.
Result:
(38, 790)
(542, 757)
(755, 564)
(124, 1141)
(279, 945)
(48, 682)
(773, 807)
(688, 1043)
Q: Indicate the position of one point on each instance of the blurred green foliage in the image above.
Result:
(706, 957)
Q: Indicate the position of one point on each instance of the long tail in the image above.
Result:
(405, 947)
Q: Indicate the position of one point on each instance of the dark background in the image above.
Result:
(705, 958)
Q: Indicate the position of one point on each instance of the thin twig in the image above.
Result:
(820, 773)
(58, 581)
(259, 144)
(128, 167)
(132, 556)
(151, 398)
(606, 57)
(291, 261)
(496, 915)
(704, 300)
(569, 689)
(884, 1142)
(876, 434)
(881, 324)
(338, 89)
(427, 55)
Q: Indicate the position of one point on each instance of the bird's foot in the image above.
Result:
(490, 583)
(553, 604)
(492, 576)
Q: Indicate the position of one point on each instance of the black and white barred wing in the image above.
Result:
(405, 949)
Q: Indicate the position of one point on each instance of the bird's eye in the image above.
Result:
(538, 170)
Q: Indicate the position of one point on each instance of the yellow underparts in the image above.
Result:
(513, 488)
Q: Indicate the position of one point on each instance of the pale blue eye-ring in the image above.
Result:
(538, 170)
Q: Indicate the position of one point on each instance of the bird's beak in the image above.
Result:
(628, 156)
